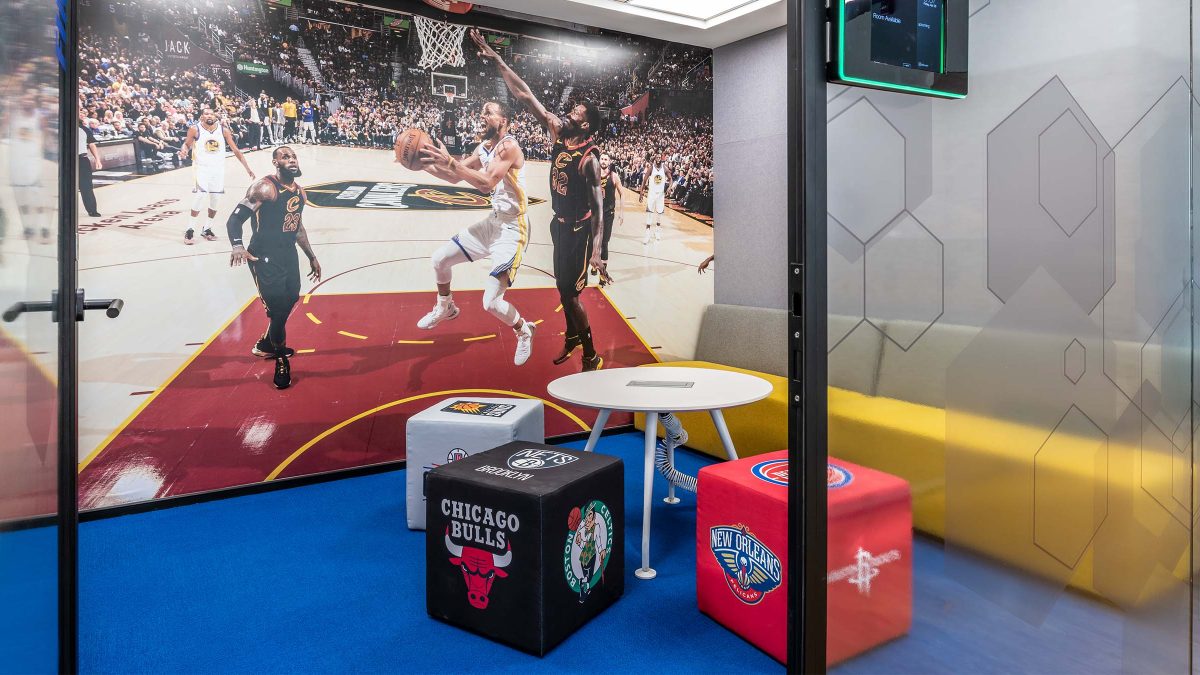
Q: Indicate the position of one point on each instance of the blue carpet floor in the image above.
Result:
(29, 601)
(329, 578)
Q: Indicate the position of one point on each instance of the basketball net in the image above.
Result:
(441, 43)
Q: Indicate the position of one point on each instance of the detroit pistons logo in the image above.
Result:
(774, 471)
(589, 547)
(838, 477)
(752, 570)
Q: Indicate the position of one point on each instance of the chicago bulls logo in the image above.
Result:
(480, 569)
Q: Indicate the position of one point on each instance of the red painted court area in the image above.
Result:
(28, 420)
(362, 368)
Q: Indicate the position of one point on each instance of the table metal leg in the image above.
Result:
(597, 429)
(671, 498)
(645, 572)
(723, 431)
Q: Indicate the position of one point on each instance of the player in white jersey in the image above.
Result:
(25, 127)
(497, 166)
(654, 190)
(207, 142)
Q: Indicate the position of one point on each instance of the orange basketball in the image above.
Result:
(573, 519)
(408, 148)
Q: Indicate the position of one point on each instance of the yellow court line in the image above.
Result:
(481, 337)
(312, 318)
(414, 342)
(356, 336)
(307, 297)
(538, 322)
(558, 309)
(305, 351)
(449, 392)
(160, 389)
(635, 331)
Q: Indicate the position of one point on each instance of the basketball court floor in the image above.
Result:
(171, 401)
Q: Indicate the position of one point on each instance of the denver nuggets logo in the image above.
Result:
(211, 145)
(774, 471)
(838, 477)
(751, 568)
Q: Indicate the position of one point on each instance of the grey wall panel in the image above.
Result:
(750, 158)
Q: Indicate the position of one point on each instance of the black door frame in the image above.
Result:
(67, 310)
(807, 370)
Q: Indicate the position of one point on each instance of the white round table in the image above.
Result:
(656, 391)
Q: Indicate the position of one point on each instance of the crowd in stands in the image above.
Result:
(128, 89)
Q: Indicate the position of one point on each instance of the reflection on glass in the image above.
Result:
(28, 343)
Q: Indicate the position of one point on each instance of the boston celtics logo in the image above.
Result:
(589, 547)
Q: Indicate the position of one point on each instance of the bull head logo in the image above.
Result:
(480, 569)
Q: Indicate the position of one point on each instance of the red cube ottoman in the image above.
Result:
(741, 553)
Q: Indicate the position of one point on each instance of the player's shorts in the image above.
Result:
(277, 275)
(572, 250)
(502, 237)
(210, 179)
(656, 203)
(30, 197)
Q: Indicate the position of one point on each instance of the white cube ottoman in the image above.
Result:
(458, 427)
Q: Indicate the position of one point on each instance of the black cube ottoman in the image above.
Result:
(524, 542)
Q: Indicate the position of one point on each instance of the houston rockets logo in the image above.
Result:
(480, 569)
(366, 194)
(589, 547)
(751, 569)
(863, 570)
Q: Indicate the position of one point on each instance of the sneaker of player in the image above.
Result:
(283, 373)
(208, 234)
(594, 363)
(569, 347)
(524, 344)
(658, 233)
(439, 313)
(646, 239)
(262, 349)
(189, 237)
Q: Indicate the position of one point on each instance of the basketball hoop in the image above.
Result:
(450, 98)
(441, 43)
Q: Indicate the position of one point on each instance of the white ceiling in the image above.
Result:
(708, 23)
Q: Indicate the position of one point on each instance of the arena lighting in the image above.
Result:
(700, 10)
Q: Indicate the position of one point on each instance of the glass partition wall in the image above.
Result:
(1011, 332)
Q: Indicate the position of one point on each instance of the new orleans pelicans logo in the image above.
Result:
(365, 194)
(751, 569)
(589, 547)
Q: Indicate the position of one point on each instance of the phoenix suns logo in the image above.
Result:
(479, 408)
(365, 194)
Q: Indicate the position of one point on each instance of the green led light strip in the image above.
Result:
(886, 85)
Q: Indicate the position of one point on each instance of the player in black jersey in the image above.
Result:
(577, 229)
(610, 184)
(274, 205)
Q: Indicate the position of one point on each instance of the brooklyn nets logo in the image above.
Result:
(365, 194)
(589, 547)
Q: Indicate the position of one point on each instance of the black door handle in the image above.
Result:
(112, 308)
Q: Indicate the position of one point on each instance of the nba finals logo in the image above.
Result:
(774, 471)
(751, 569)
(532, 459)
(589, 547)
(838, 477)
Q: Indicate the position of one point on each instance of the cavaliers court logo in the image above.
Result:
(367, 194)
(589, 547)
(751, 569)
